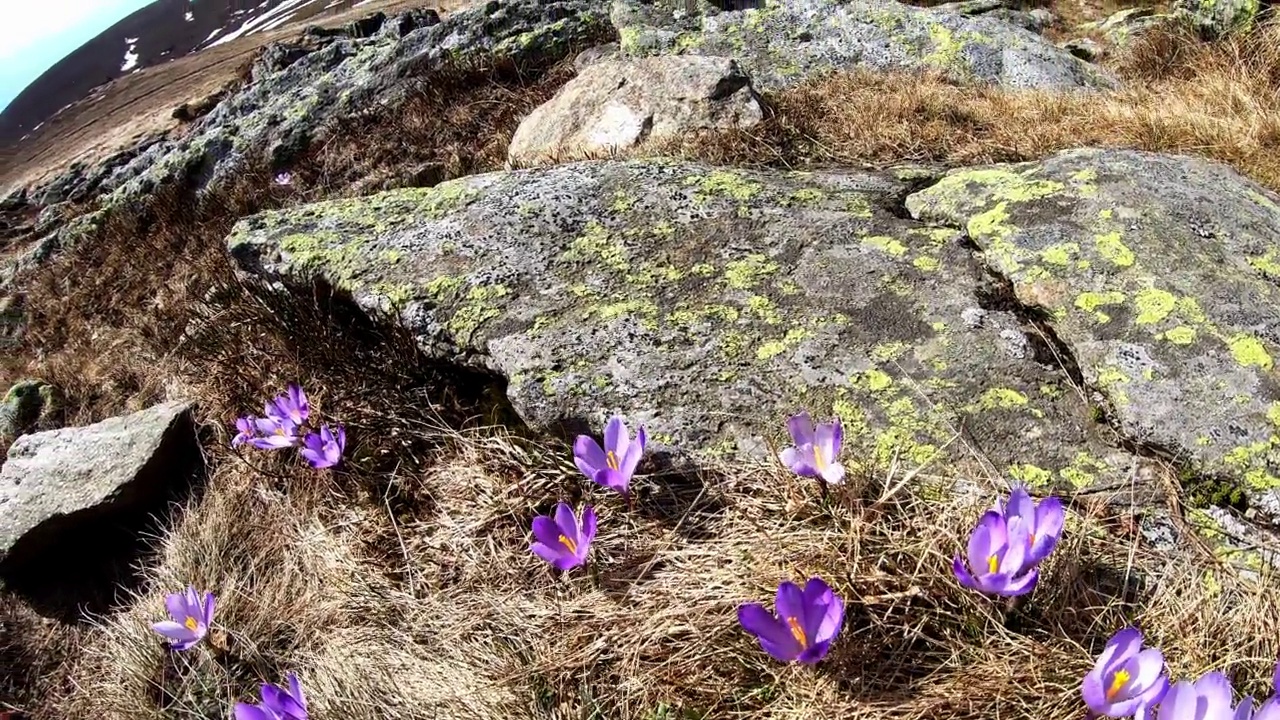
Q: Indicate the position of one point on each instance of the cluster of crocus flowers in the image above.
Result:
(804, 625)
(284, 424)
(190, 617)
(1009, 543)
(278, 703)
(1127, 680)
(564, 539)
(816, 449)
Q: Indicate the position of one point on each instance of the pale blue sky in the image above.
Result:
(35, 34)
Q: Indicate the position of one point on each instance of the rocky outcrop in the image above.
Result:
(614, 105)
(60, 484)
(782, 43)
(1216, 18)
(708, 304)
(1159, 274)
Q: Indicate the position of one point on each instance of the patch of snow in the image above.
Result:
(189, 17)
(362, 2)
(333, 4)
(211, 35)
(269, 18)
(130, 55)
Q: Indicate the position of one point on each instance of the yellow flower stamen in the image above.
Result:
(565, 541)
(1118, 681)
(817, 459)
(992, 564)
(612, 460)
(192, 624)
(798, 632)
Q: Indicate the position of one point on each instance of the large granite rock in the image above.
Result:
(614, 105)
(64, 484)
(786, 41)
(708, 304)
(1159, 274)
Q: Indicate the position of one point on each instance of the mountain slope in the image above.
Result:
(158, 33)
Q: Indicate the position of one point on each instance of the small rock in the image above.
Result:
(1085, 49)
(1015, 343)
(617, 104)
(64, 484)
(973, 317)
(1215, 18)
(593, 55)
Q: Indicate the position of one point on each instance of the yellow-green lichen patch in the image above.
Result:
(328, 252)
(1083, 470)
(883, 242)
(926, 263)
(1001, 398)
(622, 202)
(391, 257)
(723, 183)
(875, 380)
(703, 269)
(805, 197)
(1090, 302)
(1032, 476)
(764, 308)
(1111, 246)
(1267, 264)
(889, 351)
(1060, 255)
(597, 244)
(1249, 351)
(1180, 335)
(1273, 414)
(478, 307)
(747, 273)
(771, 348)
(397, 294)
(1153, 305)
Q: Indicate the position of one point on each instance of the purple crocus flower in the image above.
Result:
(277, 703)
(248, 430)
(274, 433)
(1208, 698)
(1126, 680)
(1043, 521)
(997, 558)
(815, 450)
(564, 541)
(806, 622)
(284, 178)
(191, 618)
(292, 406)
(613, 464)
(324, 449)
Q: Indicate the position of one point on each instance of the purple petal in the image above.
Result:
(837, 437)
(210, 602)
(1013, 561)
(1012, 587)
(1245, 709)
(1270, 710)
(589, 456)
(985, 541)
(814, 652)
(612, 479)
(963, 575)
(1049, 519)
(1126, 643)
(635, 451)
(173, 630)
(1215, 688)
(800, 426)
(790, 602)
(1275, 679)
(799, 460)
(551, 553)
(245, 711)
(295, 690)
(1180, 702)
(588, 528)
(567, 521)
(546, 531)
(824, 442)
(176, 604)
(616, 437)
(833, 474)
(776, 639)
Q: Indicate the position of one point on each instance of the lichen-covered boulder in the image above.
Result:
(1159, 275)
(615, 105)
(708, 304)
(786, 41)
(1215, 18)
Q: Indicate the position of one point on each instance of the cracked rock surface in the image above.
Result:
(708, 304)
(1159, 274)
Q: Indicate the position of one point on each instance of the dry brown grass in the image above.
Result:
(1214, 100)
(401, 586)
